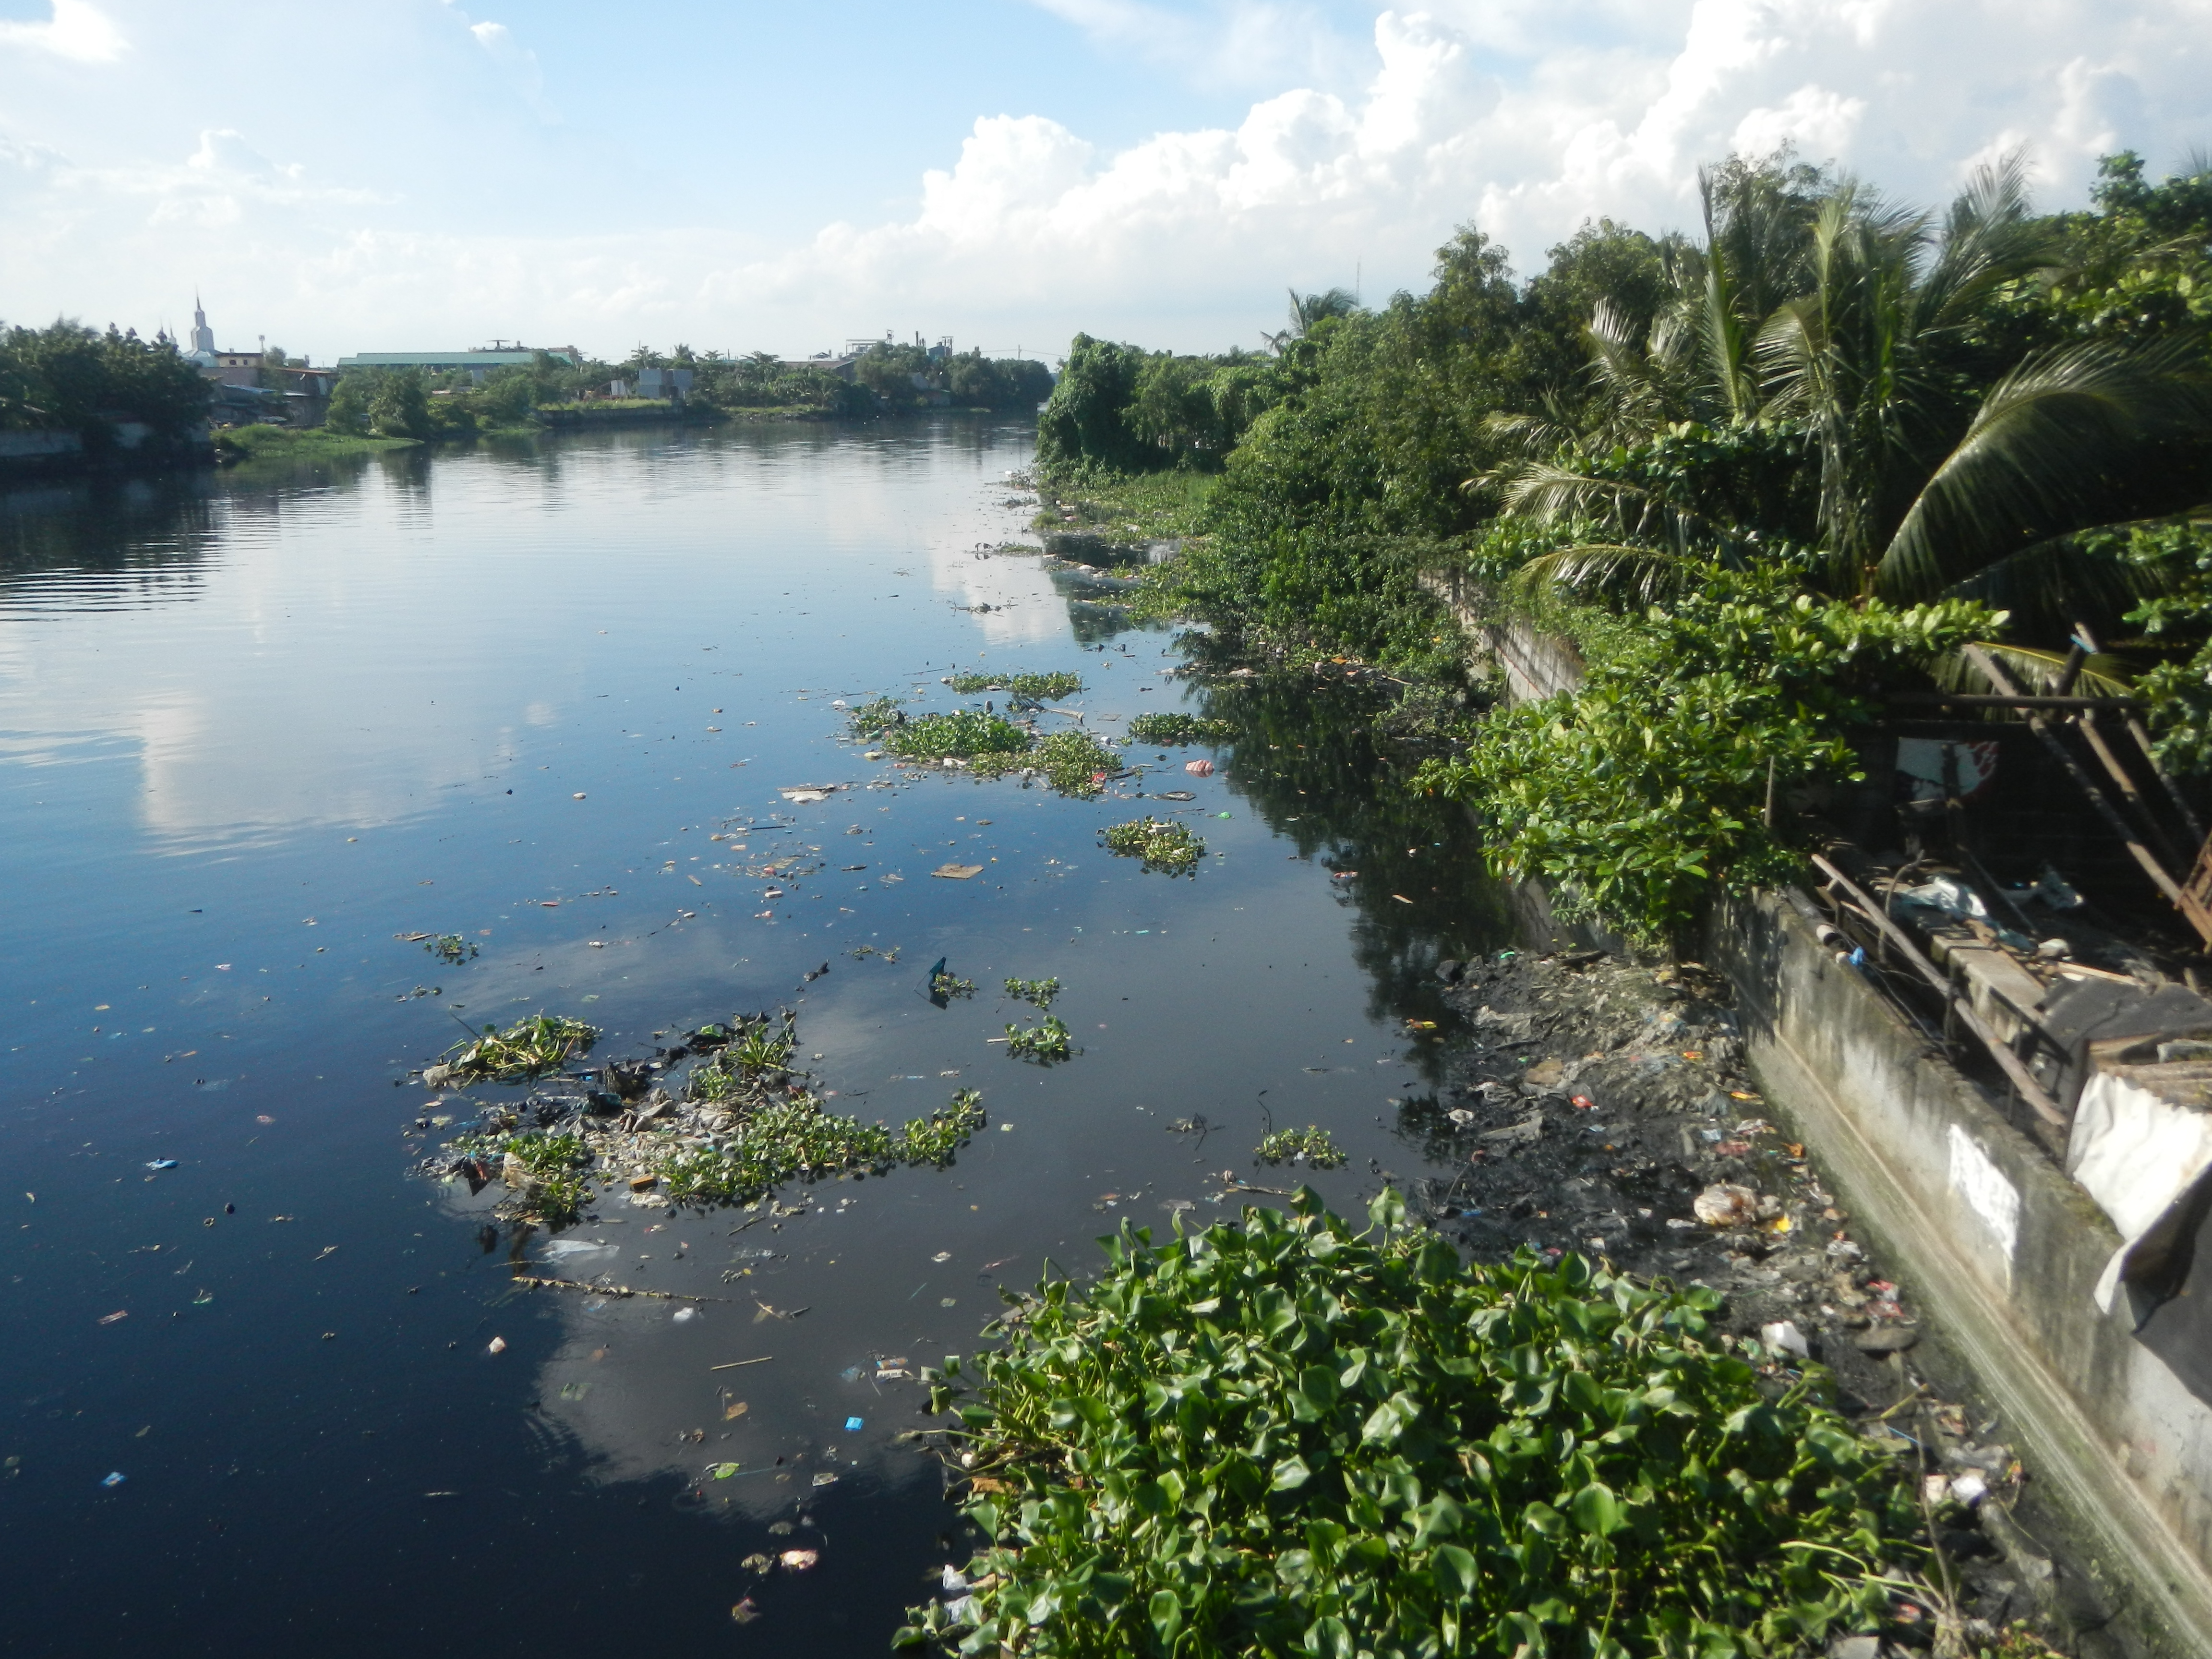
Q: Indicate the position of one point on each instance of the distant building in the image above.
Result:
(942, 350)
(664, 382)
(440, 362)
(842, 366)
(202, 351)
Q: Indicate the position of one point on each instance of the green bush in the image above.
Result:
(1636, 793)
(1277, 1437)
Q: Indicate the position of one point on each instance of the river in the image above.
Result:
(255, 729)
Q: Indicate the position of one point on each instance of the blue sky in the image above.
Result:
(342, 175)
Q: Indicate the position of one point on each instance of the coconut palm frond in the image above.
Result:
(1549, 493)
(1612, 569)
(2048, 587)
(1991, 236)
(2037, 672)
(2038, 457)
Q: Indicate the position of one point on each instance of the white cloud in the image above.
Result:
(1524, 116)
(78, 30)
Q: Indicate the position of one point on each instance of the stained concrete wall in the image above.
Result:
(1534, 665)
(2004, 1248)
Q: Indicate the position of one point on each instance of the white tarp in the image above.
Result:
(2136, 1154)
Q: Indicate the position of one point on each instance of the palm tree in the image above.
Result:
(1925, 487)
(1308, 312)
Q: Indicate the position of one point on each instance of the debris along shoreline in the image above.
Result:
(1600, 1108)
(721, 1116)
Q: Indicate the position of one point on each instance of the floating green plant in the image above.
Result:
(798, 1140)
(1040, 991)
(1162, 843)
(558, 1189)
(1283, 1437)
(1310, 1146)
(530, 1047)
(950, 985)
(1033, 687)
(759, 1046)
(1179, 728)
(1047, 1041)
(961, 734)
(1076, 763)
(450, 948)
(868, 718)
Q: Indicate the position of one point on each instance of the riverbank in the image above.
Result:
(1610, 1108)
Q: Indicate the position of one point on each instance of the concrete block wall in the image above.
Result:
(1535, 664)
(2004, 1248)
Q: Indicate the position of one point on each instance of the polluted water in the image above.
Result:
(429, 1219)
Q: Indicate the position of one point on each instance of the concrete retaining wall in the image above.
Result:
(1535, 664)
(2005, 1248)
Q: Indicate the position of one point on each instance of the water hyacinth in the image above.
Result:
(1038, 992)
(1033, 688)
(529, 1048)
(1309, 1146)
(1162, 843)
(1176, 728)
(798, 1139)
(1280, 1438)
(1047, 1041)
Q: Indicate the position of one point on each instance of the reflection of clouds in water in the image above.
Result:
(1025, 608)
(632, 1386)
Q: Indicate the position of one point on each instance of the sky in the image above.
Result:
(335, 176)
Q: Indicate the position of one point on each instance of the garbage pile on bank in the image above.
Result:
(1603, 1108)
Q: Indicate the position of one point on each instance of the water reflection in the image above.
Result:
(238, 802)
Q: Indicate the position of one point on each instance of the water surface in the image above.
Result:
(254, 728)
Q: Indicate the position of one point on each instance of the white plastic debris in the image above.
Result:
(1726, 1204)
(1783, 1336)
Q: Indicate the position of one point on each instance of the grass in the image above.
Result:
(1041, 992)
(1284, 1436)
(1162, 843)
(530, 1047)
(1047, 1041)
(1036, 688)
(1310, 1146)
(1179, 728)
(1149, 507)
(314, 442)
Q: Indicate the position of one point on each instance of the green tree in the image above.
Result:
(70, 377)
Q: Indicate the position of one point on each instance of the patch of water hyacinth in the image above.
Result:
(1283, 1437)
(1164, 844)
